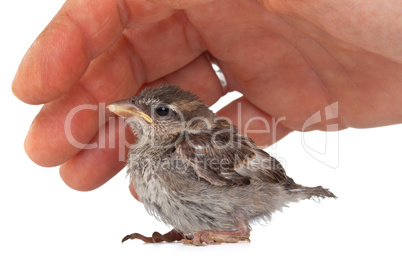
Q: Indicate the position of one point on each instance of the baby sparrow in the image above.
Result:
(198, 173)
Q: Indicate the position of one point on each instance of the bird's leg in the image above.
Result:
(171, 236)
(218, 237)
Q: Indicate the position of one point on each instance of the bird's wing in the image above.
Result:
(222, 160)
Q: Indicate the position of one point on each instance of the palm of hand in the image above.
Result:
(284, 65)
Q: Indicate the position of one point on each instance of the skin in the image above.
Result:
(289, 59)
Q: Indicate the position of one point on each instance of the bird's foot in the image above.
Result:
(171, 236)
(218, 237)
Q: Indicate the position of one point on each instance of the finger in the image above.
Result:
(165, 46)
(197, 77)
(264, 129)
(80, 32)
(61, 124)
(77, 117)
(180, 4)
(114, 75)
(91, 168)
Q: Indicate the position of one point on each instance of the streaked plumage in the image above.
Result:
(198, 173)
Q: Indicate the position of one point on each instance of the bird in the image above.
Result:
(198, 173)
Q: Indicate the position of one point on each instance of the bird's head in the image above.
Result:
(164, 111)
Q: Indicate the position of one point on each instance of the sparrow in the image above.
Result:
(198, 173)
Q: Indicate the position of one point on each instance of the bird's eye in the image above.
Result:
(162, 110)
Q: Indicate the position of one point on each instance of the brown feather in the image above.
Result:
(229, 158)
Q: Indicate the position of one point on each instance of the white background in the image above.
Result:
(44, 225)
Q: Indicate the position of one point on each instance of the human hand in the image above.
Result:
(288, 59)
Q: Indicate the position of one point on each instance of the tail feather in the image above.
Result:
(308, 192)
(317, 191)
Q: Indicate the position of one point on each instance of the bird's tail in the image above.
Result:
(308, 192)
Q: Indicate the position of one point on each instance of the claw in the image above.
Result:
(171, 236)
(125, 238)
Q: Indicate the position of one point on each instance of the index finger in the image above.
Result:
(80, 32)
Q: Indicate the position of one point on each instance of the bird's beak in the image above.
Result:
(126, 110)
